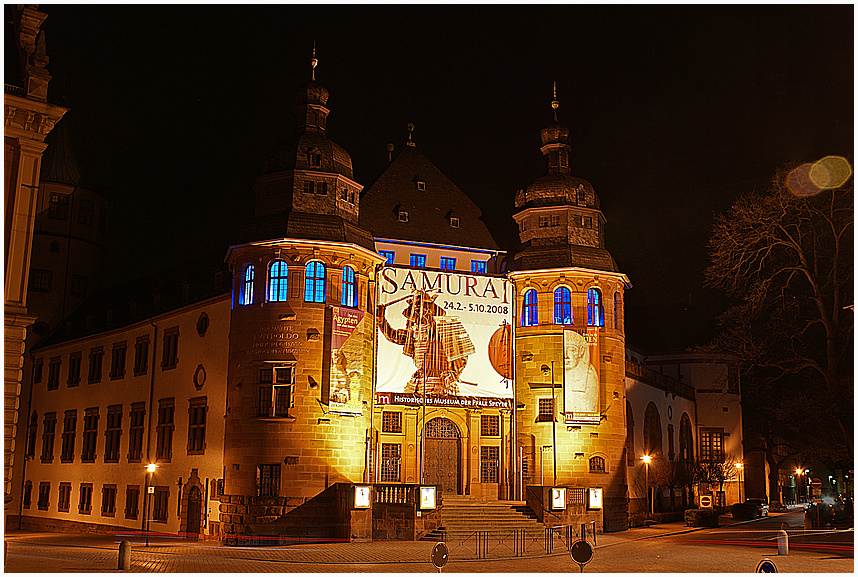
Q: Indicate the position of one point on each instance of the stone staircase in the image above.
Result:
(462, 515)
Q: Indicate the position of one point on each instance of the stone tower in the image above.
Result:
(569, 343)
(301, 333)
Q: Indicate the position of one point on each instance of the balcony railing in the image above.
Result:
(663, 382)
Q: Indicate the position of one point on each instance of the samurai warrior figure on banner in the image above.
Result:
(439, 344)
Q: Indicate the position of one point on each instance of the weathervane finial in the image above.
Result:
(410, 129)
(555, 103)
(313, 63)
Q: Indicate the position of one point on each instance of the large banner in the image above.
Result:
(445, 334)
(347, 360)
(581, 376)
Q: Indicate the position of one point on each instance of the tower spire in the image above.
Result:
(555, 103)
(313, 63)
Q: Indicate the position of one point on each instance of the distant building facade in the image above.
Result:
(359, 334)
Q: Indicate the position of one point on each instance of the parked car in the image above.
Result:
(762, 506)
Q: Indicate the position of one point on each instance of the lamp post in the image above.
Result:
(798, 473)
(647, 460)
(150, 470)
(547, 370)
(741, 467)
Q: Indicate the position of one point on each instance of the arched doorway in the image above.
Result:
(443, 456)
(195, 512)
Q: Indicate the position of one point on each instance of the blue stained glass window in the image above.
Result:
(277, 274)
(314, 283)
(595, 308)
(388, 254)
(448, 263)
(418, 260)
(349, 298)
(529, 317)
(246, 297)
(478, 266)
(562, 306)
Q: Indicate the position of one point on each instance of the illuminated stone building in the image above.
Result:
(357, 336)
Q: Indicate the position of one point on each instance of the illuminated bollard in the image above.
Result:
(125, 555)
(783, 542)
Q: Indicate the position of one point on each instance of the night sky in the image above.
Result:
(673, 111)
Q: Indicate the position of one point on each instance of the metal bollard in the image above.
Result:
(807, 525)
(783, 542)
(125, 555)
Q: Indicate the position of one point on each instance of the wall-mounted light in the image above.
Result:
(323, 420)
(558, 498)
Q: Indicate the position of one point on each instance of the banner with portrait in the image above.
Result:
(581, 376)
(347, 360)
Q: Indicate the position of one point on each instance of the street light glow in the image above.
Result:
(646, 459)
(151, 467)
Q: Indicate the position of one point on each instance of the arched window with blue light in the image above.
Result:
(529, 316)
(350, 292)
(314, 284)
(595, 308)
(562, 306)
(246, 293)
(277, 274)
(616, 320)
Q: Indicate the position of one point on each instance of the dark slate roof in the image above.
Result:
(290, 154)
(534, 257)
(206, 277)
(428, 211)
(58, 162)
(304, 225)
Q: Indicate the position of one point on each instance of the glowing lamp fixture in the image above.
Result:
(646, 459)
(739, 465)
(798, 471)
(150, 468)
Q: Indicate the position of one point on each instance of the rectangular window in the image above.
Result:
(712, 445)
(90, 434)
(86, 212)
(388, 254)
(390, 462)
(28, 494)
(268, 480)
(44, 495)
(322, 189)
(489, 464)
(159, 506)
(391, 422)
(95, 358)
(587, 222)
(546, 410)
(113, 433)
(309, 187)
(78, 285)
(197, 410)
(40, 280)
(403, 216)
(74, 370)
(58, 207)
(135, 432)
(171, 349)
(454, 222)
(64, 498)
(164, 451)
(478, 266)
(31, 435)
(275, 396)
(84, 506)
(37, 371)
(49, 430)
(544, 221)
(448, 263)
(141, 355)
(670, 453)
(117, 364)
(132, 501)
(418, 260)
(490, 425)
(555, 220)
(108, 500)
(69, 428)
(54, 373)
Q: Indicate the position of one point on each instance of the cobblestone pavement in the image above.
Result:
(650, 549)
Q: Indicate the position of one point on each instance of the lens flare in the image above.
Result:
(831, 172)
(799, 182)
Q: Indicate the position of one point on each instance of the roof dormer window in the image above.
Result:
(314, 157)
(454, 222)
(403, 216)
(421, 185)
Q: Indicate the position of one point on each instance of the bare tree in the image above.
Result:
(788, 262)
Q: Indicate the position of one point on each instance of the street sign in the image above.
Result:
(581, 552)
(766, 566)
(439, 555)
(816, 483)
(705, 501)
(817, 491)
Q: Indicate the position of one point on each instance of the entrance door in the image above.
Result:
(443, 459)
(195, 512)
